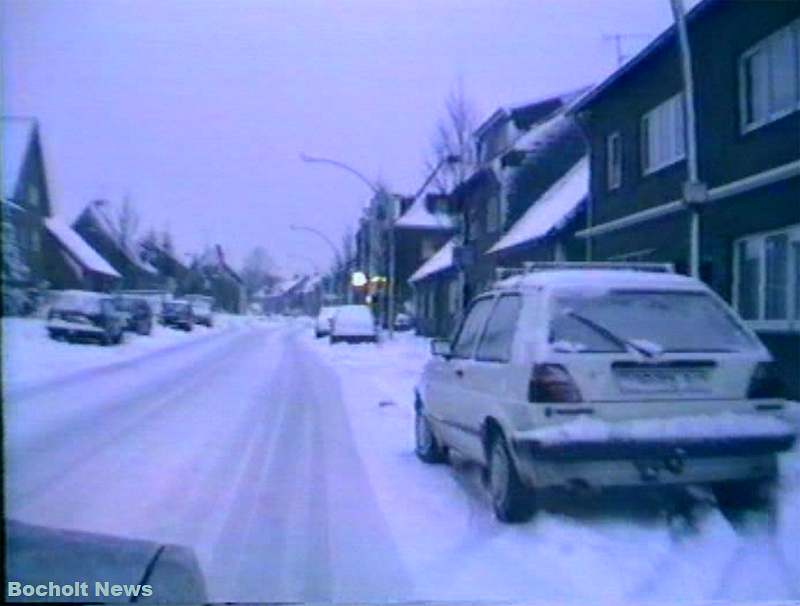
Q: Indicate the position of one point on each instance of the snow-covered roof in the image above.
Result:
(98, 210)
(419, 217)
(311, 284)
(552, 210)
(543, 133)
(78, 247)
(441, 260)
(17, 134)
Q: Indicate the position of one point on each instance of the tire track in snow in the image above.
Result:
(101, 428)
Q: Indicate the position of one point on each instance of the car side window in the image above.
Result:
(471, 328)
(495, 344)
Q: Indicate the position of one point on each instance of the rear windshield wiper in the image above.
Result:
(611, 336)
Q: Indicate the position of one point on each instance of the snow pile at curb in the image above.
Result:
(724, 425)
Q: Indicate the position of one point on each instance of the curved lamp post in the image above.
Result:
(322, 237)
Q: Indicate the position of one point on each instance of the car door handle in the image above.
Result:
(459, 372)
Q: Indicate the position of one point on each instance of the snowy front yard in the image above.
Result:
(602, 550)
(31, 358)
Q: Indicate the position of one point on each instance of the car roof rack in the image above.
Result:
(501, 273)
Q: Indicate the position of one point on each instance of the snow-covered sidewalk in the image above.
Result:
(31, 358)
(617, 552)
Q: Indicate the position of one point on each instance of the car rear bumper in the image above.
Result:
(656, 448)
(74, 329)
(650, 461)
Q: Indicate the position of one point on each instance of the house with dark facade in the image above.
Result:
(210, 274)
(162, 256)
(521, 152)
(39, 249)
(70, 263)
(422, 229)
(746, 68)
(25, 205)
(546, 231)
(437, 293)
(529, 157)
(97, 226)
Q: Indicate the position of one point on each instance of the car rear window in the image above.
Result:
(670, 321)
(78, 303)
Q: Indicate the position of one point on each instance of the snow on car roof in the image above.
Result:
(78, 247)
(594, 278)
(353, 311)
(554, 208)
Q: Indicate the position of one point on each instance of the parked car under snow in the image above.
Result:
(322, 325)
(353, 324)
(178, 314)
(137, 313)
(599, 378)
(77, 315)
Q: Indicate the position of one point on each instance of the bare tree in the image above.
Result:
(453, 137)
(258, 270)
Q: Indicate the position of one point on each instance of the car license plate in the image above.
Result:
(662, 380)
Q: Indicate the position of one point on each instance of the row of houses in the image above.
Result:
(599, 174)
(43, 251)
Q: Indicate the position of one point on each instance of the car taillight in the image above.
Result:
(766, 382)
(552, 383)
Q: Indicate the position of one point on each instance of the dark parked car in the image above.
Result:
(86, 316)
(137, 313)
(178, 314)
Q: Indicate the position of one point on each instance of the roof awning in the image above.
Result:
(442, 260)
(551, 211)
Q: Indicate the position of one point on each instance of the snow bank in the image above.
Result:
(31, 358)
(725, 425)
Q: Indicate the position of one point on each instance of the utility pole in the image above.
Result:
(695, 192)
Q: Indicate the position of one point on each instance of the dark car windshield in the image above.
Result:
(176, 306)
(654, 321)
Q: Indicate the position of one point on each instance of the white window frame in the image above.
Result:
(613, 163)
(794, 29)
(790, 324)
(653, 117)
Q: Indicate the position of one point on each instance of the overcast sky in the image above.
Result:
(198, 109)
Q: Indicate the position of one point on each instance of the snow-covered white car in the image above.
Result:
(585, 377)
(354, 324)
(203, 309)
(322, 325)
(87, 316)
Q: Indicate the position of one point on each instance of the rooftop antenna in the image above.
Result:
(617, 39)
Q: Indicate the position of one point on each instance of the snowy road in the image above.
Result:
(287, 465)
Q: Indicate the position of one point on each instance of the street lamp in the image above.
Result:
(694, 191)
(322, 237)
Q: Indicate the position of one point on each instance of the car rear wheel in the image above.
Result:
(512, 501)
(427, 446)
